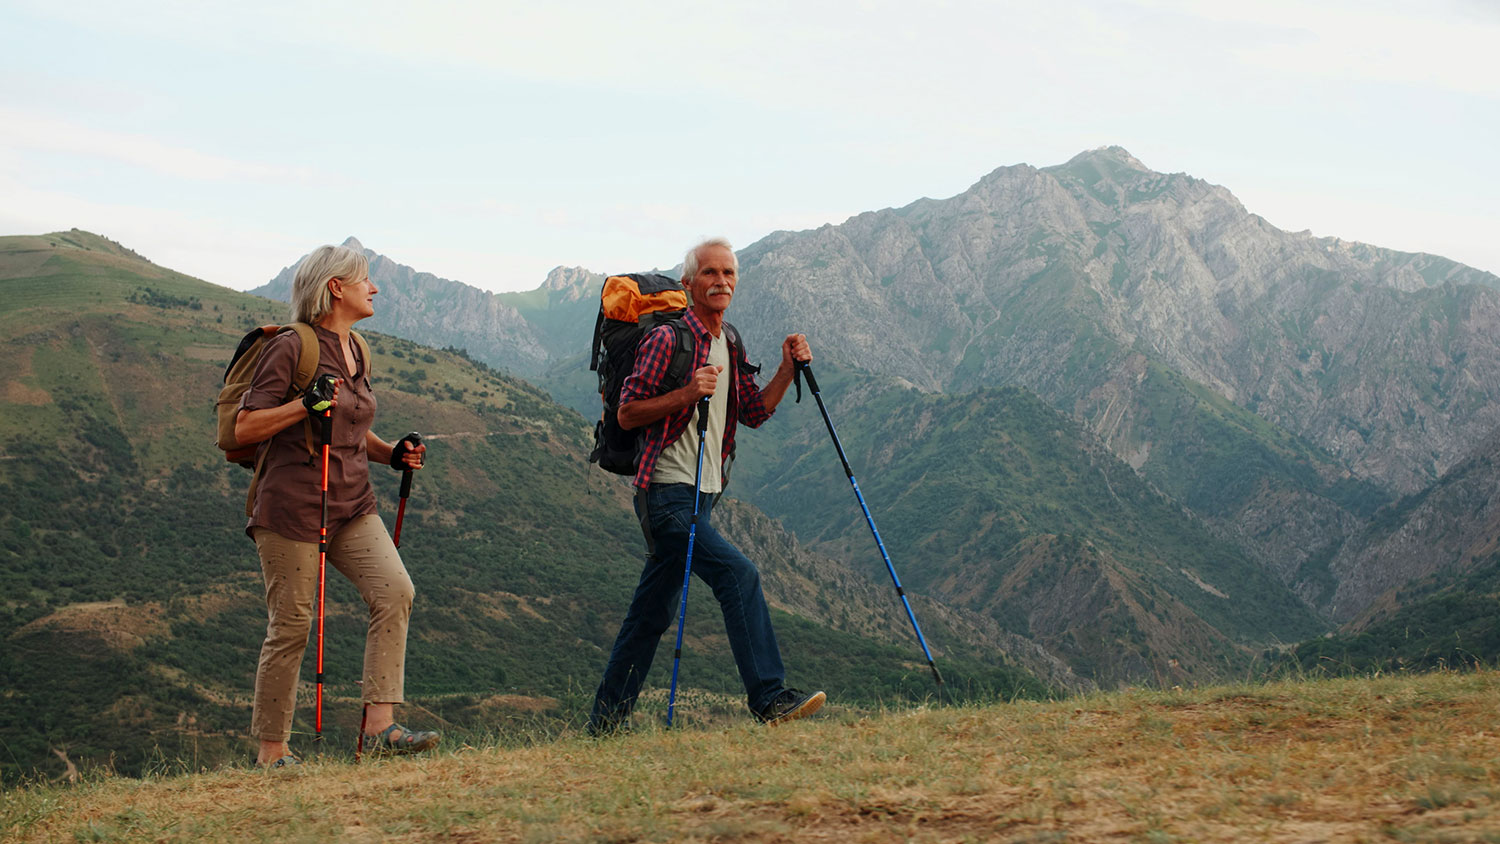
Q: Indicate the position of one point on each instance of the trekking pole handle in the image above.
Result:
(414, 439)
(805, 368)
(702, 416)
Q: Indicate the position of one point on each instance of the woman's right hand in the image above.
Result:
(321, 395)
(253, 426)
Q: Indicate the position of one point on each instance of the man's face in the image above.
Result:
(713, 286)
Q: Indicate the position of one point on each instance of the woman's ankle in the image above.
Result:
(270, 751)
(378, 717)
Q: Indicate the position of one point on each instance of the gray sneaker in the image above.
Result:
(410, 741)
(790, 705)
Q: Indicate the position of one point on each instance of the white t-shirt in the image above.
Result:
(679, 460)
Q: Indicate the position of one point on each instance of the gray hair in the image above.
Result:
(690, 261)
(311, 300)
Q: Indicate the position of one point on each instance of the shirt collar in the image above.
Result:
(696, 324)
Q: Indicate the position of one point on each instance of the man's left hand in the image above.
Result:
(795, 348)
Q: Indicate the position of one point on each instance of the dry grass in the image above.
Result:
(1409, 758)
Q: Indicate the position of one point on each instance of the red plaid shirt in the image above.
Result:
(652, 357)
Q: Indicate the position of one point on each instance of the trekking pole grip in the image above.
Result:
(702, 415)
(398, 459)
(805, 368)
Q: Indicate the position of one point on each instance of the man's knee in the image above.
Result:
(650, 621)
(733, 560)
(736, 572)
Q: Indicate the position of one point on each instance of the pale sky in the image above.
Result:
(491, 142)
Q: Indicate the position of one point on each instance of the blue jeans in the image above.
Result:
(735, 583)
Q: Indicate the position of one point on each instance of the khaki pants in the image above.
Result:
(363, 552)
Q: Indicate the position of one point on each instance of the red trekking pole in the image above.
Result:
(325, 426)
(414, 439)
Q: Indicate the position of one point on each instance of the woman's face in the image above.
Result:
(358, 296)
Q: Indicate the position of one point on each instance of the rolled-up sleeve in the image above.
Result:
(651, 359)
(273, 373)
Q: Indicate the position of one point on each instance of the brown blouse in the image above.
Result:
(289, 492)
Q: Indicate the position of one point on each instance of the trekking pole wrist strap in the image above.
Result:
(804, 370)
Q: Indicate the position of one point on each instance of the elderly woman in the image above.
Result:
(332, 291)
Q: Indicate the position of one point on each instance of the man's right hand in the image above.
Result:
(703, 383)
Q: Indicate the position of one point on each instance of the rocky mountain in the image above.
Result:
(441, 313)
(1064, 278)
(1282, 386)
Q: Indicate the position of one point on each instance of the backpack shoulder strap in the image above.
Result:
(737, 350)
(307, 367)
(364, 354)
(260, 462)
(598, 343)
(307, 360)
(684, 350)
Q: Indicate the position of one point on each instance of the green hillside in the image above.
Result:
(134, 610)
(1450, 619)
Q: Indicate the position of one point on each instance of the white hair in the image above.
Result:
(690, 261)
(311, 299)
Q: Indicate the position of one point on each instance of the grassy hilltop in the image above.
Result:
(1398, 758)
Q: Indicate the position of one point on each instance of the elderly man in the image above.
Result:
(665, 495)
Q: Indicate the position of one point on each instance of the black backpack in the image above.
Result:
(630, 306)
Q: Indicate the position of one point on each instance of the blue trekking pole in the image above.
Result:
(687, 568)
(812, 383)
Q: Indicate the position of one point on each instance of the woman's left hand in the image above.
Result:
(409, 452)
(413, 457)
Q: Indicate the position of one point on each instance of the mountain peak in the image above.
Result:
(353, 243)
(562, 278)
(1117, 156)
